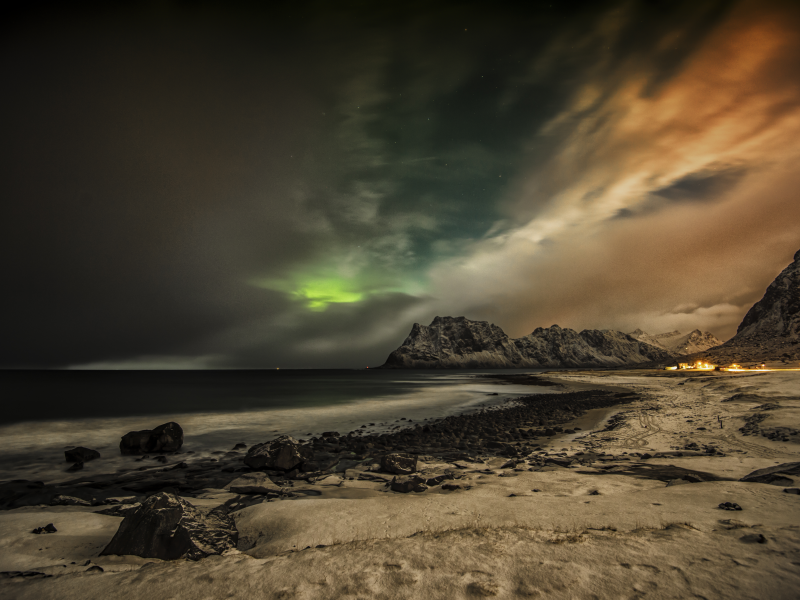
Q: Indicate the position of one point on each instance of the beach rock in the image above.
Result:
(774, 475)
(729, 506)
(400, 464)
(79, 454)
(411, 483)
(795, 491)
(453, 486)
(164, 438)
(49, 528)
(167, 527)
(283, 453)
(253, 483)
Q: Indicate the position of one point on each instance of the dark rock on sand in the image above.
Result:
(164, 438)
(80, 454)
(49, 528)
(167, 527)
(283, 453)
(433, 481)
(412, 483)
(795, 491)
(729, 506)
(776, 475)
(400, 464)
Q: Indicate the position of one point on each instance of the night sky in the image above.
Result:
(229, 185)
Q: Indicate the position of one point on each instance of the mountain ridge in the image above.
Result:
(458, 342)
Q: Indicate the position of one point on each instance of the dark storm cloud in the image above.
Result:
(295, 184)
(703, 186)
(145, 175)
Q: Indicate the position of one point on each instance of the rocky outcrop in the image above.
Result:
(457, 342)
(677, 343)
(283, 454)
(164, 438)
(770, 331)
(777, 314)
(165, 526)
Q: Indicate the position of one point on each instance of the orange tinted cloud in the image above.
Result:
(661, 207)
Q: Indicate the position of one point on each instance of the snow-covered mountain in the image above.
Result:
(777, 314)
(457, 342)
(679, 343)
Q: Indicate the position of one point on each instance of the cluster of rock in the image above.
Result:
(510, 430)
(507, 431)
(457, 342)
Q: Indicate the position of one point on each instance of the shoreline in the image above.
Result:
(640, 488)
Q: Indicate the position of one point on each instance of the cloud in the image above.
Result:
(250, 188)
(706, 185)
(626, 148)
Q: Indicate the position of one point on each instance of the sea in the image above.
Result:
(45, 412)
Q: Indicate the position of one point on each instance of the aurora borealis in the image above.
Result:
(226, 185)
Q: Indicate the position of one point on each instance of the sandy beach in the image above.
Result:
(624, 506)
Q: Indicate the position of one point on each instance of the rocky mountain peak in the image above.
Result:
(777, 314)
(458, 342)
(678, 343)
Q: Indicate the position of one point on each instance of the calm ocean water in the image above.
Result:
(46, 412)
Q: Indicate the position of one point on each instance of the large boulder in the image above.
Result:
(284, 453)
(165, 526)
(80, 454)
(775, 475)
(400, 464)
(253, 483)
(164, 438)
